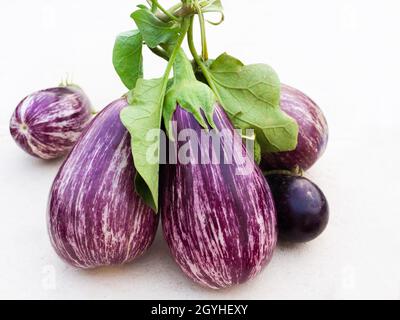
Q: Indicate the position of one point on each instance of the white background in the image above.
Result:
(344, 53)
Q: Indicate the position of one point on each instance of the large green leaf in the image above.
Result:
(142, 115)
(154, 30)
(251, 97)
(128, 58)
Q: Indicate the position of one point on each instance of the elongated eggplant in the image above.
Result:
(47, 123)
(95, 218)
(313, 133)
(218, 221)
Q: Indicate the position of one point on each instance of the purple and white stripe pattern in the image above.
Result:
(313, 133)
(220, 226)
(47, 123)
(95, 217)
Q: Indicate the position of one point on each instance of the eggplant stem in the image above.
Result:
(295, 172)
(200, 63)
(160, 52)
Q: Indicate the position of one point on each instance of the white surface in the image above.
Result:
(343, 53)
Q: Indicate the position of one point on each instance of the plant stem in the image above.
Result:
(203, 31)
(173, 11)
(184, 30)
(200, 63)
(163, 10)
(174, 8)
(295, 172)
(192, 47)
(153, 6)
(180, 11)
(160, 52)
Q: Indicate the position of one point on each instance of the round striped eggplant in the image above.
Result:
(218, 221)
(95, 218)
(47, 123)
(313, 133)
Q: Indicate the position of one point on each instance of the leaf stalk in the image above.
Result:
(164, 11)
(203, 30)
(199, 62)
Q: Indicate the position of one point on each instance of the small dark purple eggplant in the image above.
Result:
(301, 207)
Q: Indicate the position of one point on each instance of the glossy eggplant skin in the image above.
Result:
(302, 208)
(95, 217)
(220, 226)
(313, 133)
(47, 123)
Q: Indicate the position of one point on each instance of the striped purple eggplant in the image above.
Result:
(95, 217)
(219, 223)
(47, 123)
(313, 133)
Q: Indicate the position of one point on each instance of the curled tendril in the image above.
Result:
(208, 7)
(219, 21)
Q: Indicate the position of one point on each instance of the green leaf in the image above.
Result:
(155, 31)
(191, 94)
(142, 6)
(226, 63)
(257, 152)
(142, 115)
(214, 6)
(143, 119)
(128, 58)
(251, 97)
